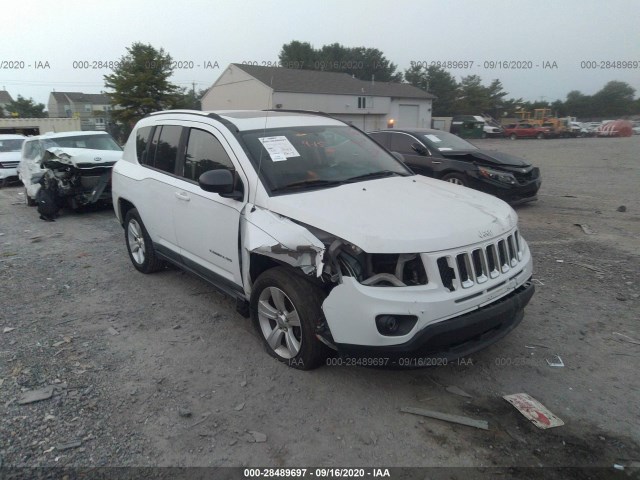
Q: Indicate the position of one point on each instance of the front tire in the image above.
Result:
(285, 309)
(456, 179)
(513, 136)
(139, 244)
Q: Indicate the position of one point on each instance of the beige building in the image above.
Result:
(367, 105)
(93, 109)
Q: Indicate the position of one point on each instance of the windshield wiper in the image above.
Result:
(372, 175)
(308, 183)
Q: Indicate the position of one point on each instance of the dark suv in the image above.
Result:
(445, 156)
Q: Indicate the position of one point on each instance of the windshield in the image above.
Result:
(317, 157)
(94, 142)
(11, 145)
(444, 141)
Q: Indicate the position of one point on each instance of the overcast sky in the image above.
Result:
(567, 32)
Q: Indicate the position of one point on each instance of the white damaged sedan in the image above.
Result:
(74, 168)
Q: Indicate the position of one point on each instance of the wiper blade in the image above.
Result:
(308, 183)
(372, 175)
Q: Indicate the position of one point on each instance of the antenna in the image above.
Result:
(266, 118)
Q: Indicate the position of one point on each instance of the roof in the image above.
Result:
(314, 81)
(245, 120)
(93, 98)
(5, 97)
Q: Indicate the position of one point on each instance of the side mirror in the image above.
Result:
(219, 181)
(419, 149)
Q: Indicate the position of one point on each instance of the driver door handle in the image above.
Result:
(182, 196)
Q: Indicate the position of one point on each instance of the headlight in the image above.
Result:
(497, 175)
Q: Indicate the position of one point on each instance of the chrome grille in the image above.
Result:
(480, 263)
(8, 164)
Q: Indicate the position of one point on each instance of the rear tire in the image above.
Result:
(285, 309)
(456, 179)
(540, 136)
(139, 244)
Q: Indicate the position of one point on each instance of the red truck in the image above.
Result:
(527, 130)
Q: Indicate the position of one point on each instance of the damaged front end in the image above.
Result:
(322, 258)
(71, 179)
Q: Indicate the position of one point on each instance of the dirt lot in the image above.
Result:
(159, 370)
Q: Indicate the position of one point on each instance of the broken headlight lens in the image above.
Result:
(383, 270)
(497, 175)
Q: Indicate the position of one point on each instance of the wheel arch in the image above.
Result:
(123, 207)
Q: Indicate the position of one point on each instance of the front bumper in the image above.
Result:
(8, 173)
(454, 338)
(513, 194)
(461, 302)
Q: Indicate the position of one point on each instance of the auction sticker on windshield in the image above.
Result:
(279, 148)
(433, 138)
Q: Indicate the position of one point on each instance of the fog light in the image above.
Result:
(387, 324)
(395, 325)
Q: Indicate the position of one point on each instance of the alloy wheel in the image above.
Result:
(136, 241)
(279, 322)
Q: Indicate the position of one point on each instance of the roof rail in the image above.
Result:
(192, 112)
(314, 112)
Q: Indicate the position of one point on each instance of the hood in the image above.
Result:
(489, 156)
(412, 214)
(10, 156)
(75, 156)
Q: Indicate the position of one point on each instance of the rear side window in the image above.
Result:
(401, 143)
(143, 142)
(381, 138)
(164, 148)
(204, 153)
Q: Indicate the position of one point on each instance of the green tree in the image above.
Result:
(578, 104)
(26, 108)
(473, 97)
(361, 62)
(439, 82)
(615, 99)
(298, 55)
(495, 94)
(141, 84)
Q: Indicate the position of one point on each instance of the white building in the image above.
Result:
(367, 105)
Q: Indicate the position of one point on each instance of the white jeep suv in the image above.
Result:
(323, 237)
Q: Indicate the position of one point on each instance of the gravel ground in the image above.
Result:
(159, 370)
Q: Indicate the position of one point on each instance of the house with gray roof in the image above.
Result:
(368, 105)
(93, 109)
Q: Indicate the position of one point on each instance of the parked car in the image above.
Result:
(74, 167)
(527, 130)
(10, 147)
(491, 131)
(324, 238)
(447, 157)
(579, 129)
